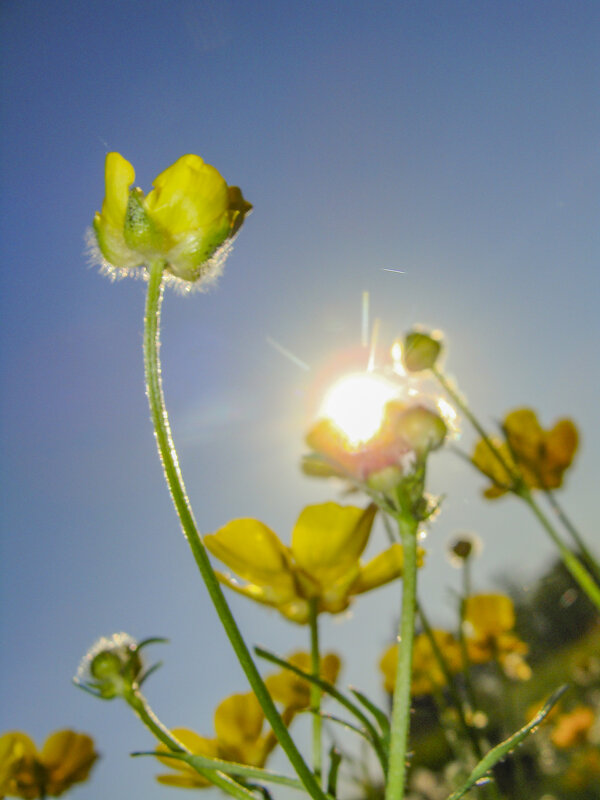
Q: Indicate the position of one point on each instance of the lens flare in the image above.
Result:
(356, 403)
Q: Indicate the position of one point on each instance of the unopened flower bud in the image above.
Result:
(112, 666)
(424, 430)
(420, 350)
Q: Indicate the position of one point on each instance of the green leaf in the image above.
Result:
(201, 763)
(378, 713)
(504, 748)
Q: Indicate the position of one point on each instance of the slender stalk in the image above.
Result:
(457, 399)
(140, 705)
(315, 691)
(592, 563)
(571, 562)
(456, 699)
(168, 456)
(400, 721)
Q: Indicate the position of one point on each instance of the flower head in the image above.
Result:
(187, 219)
(488, 625)
(65, 759)
(405, 435)
(291, 690)
(113, 666)
(323, 562)
(540, 457)
(427, 675)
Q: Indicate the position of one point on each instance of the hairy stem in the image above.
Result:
(169, 460)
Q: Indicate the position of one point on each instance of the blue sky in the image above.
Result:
(457, 142)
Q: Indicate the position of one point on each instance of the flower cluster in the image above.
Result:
(65, 759)
(239, 722)
(322, 564)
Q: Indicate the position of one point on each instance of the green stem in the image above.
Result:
(571, 562)
(456, 699)
(315, 690)
(400, 721)
(460, 403)
(140, 705)
(592, 563)
(168, 456)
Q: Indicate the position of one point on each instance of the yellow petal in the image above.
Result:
(561, 444)
(382, 569)
(68, 757)
(188, 777)
(525, 434)
(486, 462)
(291, 690)
(188, 196)
(489, 615)
(17, 764)
(388, 664)
(253, 551)
(328, 539)
(109, 225)
(239, 721)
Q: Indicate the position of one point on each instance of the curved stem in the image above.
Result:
(315, 691)
(140, 705)
(168, 456)
(400, 721)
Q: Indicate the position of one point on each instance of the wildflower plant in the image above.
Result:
(375, 438)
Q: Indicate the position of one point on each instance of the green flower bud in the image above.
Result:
(112, 667)
(420, 350)
(424, 430)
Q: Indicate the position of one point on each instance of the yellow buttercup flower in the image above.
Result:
(65, 759)
(427, 675)
(572, 728)
(323, 562)
(291, 690)
(541, 457)
(240, 737)
(187, 219)
(489, 620)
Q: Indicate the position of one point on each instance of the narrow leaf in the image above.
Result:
(504, 748)
(378, 713)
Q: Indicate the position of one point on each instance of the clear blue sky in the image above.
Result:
(456, 141)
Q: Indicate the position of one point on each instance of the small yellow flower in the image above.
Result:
(239, 727)
(488, 623)
(291, 690)
(542, 457)
(323, 562)
(65, 759)
(187, 219)
(427, 675)
(572, 728)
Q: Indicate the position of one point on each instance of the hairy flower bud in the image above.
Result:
(420, 350)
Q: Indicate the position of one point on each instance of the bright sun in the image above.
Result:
(355, 404)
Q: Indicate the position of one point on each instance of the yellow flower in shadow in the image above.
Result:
(186, 219)
(291, 690)
(322, 564)
(572, 728)
(240, 737)
(488, 625)
(65, 759)
(540, 457)
(427, 675)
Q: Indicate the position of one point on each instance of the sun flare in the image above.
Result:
(355, 404)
